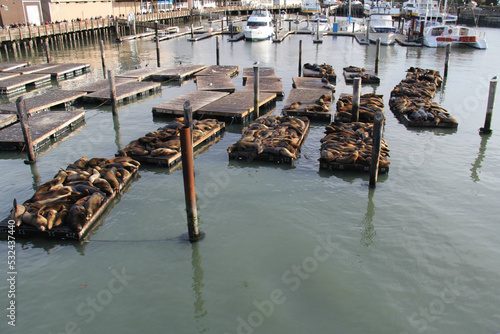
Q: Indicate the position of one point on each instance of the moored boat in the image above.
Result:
(441, 35)
(259, 26)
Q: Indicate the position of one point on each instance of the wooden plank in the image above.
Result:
(238, 105)
(219, 83)
(266, 85)
(367, 77)
(7, 119)
(263, 72)
(311, 83)
(137, 36)
(43, 101)
(100, 84)
(43, 126)
(236, 37)
(139, 74)
(199, 37)
(228, 70)
(63, 71)
(19, 83)
(305, 98)
(33, 68)
(281, 36)
(198, 99)
(12, 65)
(7, 75)
(124, 91)
(178, 72)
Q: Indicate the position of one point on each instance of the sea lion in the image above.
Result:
(110, 176)
(76, 217)
(35, 219)
(95, 175)
(120, 159)
(17, 212)
(81, 163)
(60, 218)
(50, 215)
(93, 204)
(81, 188)
(161, 152)
(51, 195)
(103, 186)
(96, 162)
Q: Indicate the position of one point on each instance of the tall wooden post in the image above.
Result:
(377, 57)
(188, 174)
(47, 52)
(192, 31)
(256, 88)
(367, 29)
(489, 109)
(25, 126)
(217, 53)
(101, 43)
(447, 60)
(356, 96)
(377, 138)
(112, 92)
(157, 45)
(300, 58)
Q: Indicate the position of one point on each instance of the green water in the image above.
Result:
(287, 250)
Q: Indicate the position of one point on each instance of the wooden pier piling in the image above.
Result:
(489, 110)
(356, 97)
(256, 88)
(47, 52)
(112, 92)
(25, 126)
(300, 58)
(217, 53)
(377, 138)
(447, 60)
(377, 57)
(157, 45)
(101, 43)
(188, 175)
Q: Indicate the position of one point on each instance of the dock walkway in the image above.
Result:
(44, 101)
(198, 99)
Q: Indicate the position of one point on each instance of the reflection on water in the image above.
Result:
(36, 176)
(368, 232)
(118, 136)
(480, 157)
(199, 310)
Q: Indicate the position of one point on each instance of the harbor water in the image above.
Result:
(287, 250)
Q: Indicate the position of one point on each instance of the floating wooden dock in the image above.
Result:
(44, 101)
(301, 99)
(180, 72)
(136, 36)
(33, 68)
(199, 37)
(125, 92)
(263, 72)
(217, 83)
(315, 73)
(361, 39)
(7, 66)
(198, 99)
(65, 231)
(238, 106)
(139, 74)
(236, 37)
(369, 104)
(281, 36)
(311, 83)
(173, 159)
(18, 84)
(367, 77)
(65, 71)
(266, 85)
(44, 126)
(228, 70)
(100, 84)
(403, 42)
(7, 119)
(7, 75)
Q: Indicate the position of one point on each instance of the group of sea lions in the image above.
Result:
(166, 141)
(75, 194)
(320, 105)
(276, 135)
(324, 69)
(412, 97)
(352, 72)
(368, 105)
(351, 143)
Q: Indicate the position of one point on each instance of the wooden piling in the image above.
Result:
(192, 31)
(489, 110)
(101, 43)
(25, 126)
(47, 52)
(157, 45)
(300, 58)
(256, 88)
(188, 174)
(377, 138)
(217, 53)
(356, 96)
(447, 60)
(377, 57)
(112, 92)
(368, 29)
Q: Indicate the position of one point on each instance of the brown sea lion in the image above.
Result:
(93, 204)
(50, 215)
(103, 186)
(16, 213)
(76, 217)
(60, 218)
(35, 219)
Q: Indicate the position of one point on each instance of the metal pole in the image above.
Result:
(377, 138)
(300, 58)
(377, 57)
(188, 174)
(157, 45)
(112, 92)
(25, 126)
(489, 109)
(101, 43)
(447, 60)
(256, 88)
(356, 96)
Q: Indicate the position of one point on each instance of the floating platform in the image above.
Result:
(308, 97)
(178, 72)
(7, 66)
(238, 106)
(311, 83)
(139, 74)
(65, 71)
(136, 36)
(18, 84)
(228, 70)
(125, 92)
(33, 68)
(198, 99)
(403, 42)
(312, 73)
(236, 37)
(7, 119)
(369, 104)
(199, 37)
(263, 72)
(43, 127)
(170, 161)
(8, 75)
(361, 39)
(101, 84)
(65, 231)
(44, 101)
(367, 77)
(266, 85)
(217, 83)
(280, 158)
(281, 36)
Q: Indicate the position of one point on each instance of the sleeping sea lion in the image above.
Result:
(76, 217)
(17, 212)
(93, 204)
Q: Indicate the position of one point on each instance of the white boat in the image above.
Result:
(319, 21)
(439, 36)
(353, 25)
(428, 10)
(310, 6)
(381, 25)
(259, 26)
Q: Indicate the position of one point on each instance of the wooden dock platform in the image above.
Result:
(7, 66)
(7, 119)
(125, 92)
(100, 84)
(198, 99)
(8, 75)
(263, 72)
(65, 71)
(238, 106)
(402, 41)
(136, 36)
(217, 83)
(139, 74)
(43, 127)
(315, 73)
(300, 102)
(33, 68)
(199, 37)
(361, 39)
(228, 70)
(266, 85)
(180, 72)
(18, 84)
(281, 36)
(44, 101)
(311, 83)
(236, 37)
(367, 77)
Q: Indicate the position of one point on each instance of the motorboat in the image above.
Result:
(319, 22)
(428, 10)
(381, 25)
(259, 26)
(441, 35)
